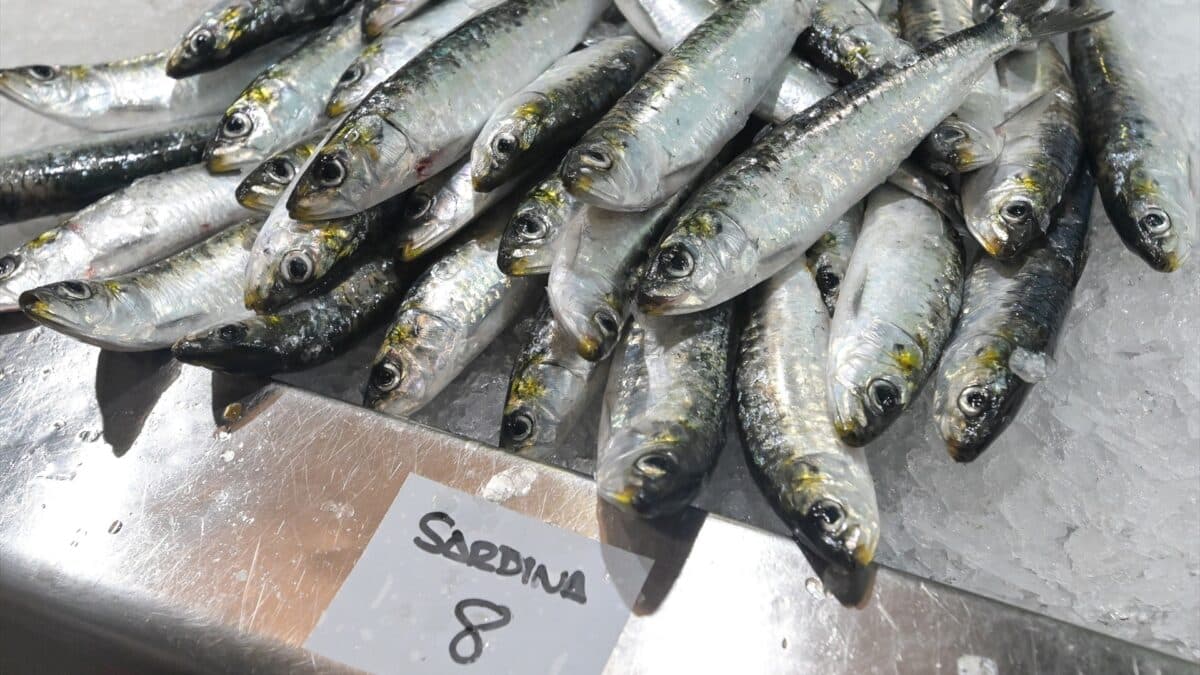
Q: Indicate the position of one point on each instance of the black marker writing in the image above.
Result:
(482, 555)
(471, 630)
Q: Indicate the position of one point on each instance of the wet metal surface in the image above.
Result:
(140, 510)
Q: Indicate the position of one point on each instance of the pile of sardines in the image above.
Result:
(793, 213)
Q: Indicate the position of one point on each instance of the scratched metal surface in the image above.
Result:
(134, 515)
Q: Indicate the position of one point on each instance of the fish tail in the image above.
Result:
(1036, 25)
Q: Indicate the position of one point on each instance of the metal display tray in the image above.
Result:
(205, 536)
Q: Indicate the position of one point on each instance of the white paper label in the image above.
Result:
(451, 583)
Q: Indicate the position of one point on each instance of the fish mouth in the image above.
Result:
(228, 159)
(666, 302)
(179, 65)
(336, 107)
(589, 348)
(255, 300)
(812, 537)
(258, 199)
(411, 250)
(45, 306)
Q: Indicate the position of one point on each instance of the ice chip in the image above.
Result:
(1033, 367)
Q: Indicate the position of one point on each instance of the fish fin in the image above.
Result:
(1037, 25)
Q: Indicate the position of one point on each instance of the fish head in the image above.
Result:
(1012, 213)
(46, 88)
(525, 245)
(380, 15)
(342, 178)
(605, 169)
(77, 308)
(1156, 212)
(243, 137)
(267, 182)
(19, 271)
(589, 309)
(409, 367)
(832, 508)
(502, 148)
(242, 347)
(541, 405)
(648, 473)
(211, 40)
(357, 81)
(873, 377)
(426, 209)
(701, 262)
(958, 146)
(975, 395)
(290, 263)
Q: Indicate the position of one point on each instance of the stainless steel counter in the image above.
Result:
(147, 522)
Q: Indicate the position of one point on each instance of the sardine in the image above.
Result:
(662, 424)
(232, 28)
(1008, 204)
(535, 231)
(307, 333)
(770, 204)
(154, 217)
(549, 387)
(676, 119)
(156, 305)
(556, 108)
(380, 15)
(132, 92)
(286, 102)
(665, 23)
(1012, 315)
(830, 256)
(395, 48)
(437, 209)
(847, 40)
(70, 176)
(449, 315)
(820, 487)
(266, 183)
(924, 22)
(899, 301)
(292, 257)
(1138, 156)
(402, 134)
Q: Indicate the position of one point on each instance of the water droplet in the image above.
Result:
(115, 527)
(228, 455)
(814, 587)
(89, 436)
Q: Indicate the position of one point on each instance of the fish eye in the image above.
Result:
(676, 261)
(607, 321)
(884, 394)
(236, 125)
(1155, 223)
(9, 265)
(829, 513)
(973, 401)
(281, 170)
(231, 332)
(504, 143)
(655, 465)
(951, 135)
(519, 426)
(74, 290)
(296, 267)
(1016, 210)
(331, 171)
(201, 41)
(827, 281)
(418, 205)
(595, 158)
(385, 376)
(353, 74)
(42, 73)
(529, 227)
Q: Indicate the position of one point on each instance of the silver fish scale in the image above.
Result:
(395, 48)
(152, 218)
(454, 310)
(550, 382)
(786, 191)
(667, 393)
(878, 332)
(692, 102)
(784, 415)
(1043, 144)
